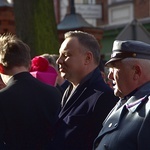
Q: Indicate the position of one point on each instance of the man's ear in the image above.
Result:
(1, 68)
(89, 57)
(137, 71)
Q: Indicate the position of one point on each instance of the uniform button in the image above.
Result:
(110, 125)
(116, 124)
(106, 146)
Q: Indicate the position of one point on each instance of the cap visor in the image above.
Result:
(109, 63)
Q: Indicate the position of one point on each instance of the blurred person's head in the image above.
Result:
(50, 59)
(14, 55)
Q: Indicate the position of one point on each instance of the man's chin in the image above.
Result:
(63, 75)
(118, 94)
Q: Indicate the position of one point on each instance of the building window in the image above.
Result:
(119, 14)
(89, 10)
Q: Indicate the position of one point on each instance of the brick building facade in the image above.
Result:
(115, 15)
(7, 21)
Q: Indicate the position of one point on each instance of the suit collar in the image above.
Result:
(91, 76)
(84, 83)
(72, 100)
(80, 90)
(21, 75)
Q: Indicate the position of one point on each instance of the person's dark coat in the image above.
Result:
(80, 119)
(28, 111)
(128, 128)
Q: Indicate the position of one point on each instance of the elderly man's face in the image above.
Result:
(122, 77)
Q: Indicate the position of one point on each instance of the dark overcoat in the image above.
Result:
(128, 128)
(80, 119)
(28, 111)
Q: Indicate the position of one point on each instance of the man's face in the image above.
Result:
(71, 60)
(122, 78)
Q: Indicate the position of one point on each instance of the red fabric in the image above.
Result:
(41, 70)
(39, 64)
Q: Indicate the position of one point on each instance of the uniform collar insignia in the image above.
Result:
(133, 105)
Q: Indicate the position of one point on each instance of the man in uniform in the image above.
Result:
(127, 127)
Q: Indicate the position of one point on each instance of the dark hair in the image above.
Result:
(13, 52)
(88, 41)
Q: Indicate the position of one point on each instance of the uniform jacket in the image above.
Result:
(28, 110)
(128, 128)
(80, 119)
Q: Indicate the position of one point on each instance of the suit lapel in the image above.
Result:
(66, 95)
(72, 100)
(85, 84)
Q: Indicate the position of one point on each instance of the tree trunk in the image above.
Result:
(36, 25)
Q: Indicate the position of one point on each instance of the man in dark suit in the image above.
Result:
(28, 107)
(88, 98)
(127, 127)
